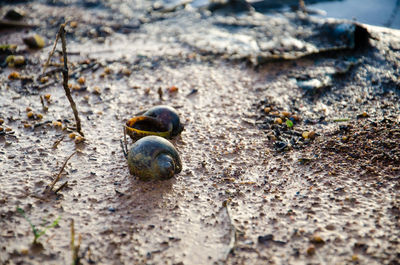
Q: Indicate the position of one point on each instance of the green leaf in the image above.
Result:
(34, 230)
(289, 123)
(48, 227)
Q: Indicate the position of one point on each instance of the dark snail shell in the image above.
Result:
(168, 116)
(153, 157)
(160, 120)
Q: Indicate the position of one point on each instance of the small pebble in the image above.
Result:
(267, 110)
(311, 250)
(96, 90)
(173, 89)
(73, 24)
(1, 121)
(72, 135)
(79, 139)
(30, 114)
(317, 240)
(57, 124)
(47, 97)
(14, 75)
(278, 121)
(81, 80)
(44, 79)
(34, 41)
(285, 114)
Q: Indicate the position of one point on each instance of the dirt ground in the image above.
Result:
(284, 162)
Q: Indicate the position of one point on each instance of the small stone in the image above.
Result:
(1, 121)
(47, 97)
(15, 60)
(317, 240)
(278, 121)
(30, 114)
(285, 114)
(73, 24)
(57, 124)
(295, 117)
(96, 90)
(34, 41)
(14, 75)
(8, 129)
(79, 139)
(27, 125)
(126, 72)
(305, 135)
(39, 116)
(311, 250)
(267, 110)
(44, 79)
(72, 135)
(15, 14)
(173, 89)
(24, 251)
(354, 258)
(81, 80)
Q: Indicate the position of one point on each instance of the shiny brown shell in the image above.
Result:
(160, 120)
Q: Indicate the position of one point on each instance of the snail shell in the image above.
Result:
(153, 157)
(168, 116)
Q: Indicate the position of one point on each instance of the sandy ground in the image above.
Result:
(241, 198)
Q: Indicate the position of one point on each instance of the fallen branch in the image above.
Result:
(61, 170)
(61, 34)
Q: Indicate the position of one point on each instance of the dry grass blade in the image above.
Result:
(234, 231)
(61, 170)
(75, 249)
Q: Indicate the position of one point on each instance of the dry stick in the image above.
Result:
(61, 33)
(61, 170)
(65, 82)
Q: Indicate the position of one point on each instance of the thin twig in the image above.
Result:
(61, 187)
(56, 143)
(65, 81)
(61, 34)
(45, 108)
(54, 48)
(61, 170)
